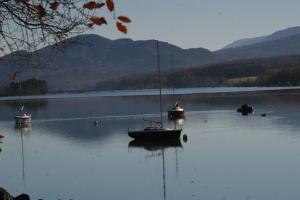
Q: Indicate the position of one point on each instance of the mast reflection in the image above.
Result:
(160, 146)
(23, 132)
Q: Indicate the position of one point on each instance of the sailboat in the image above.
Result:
(23, 119)
(157, 131)
(175, 112)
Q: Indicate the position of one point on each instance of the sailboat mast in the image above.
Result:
(20, 85)
(164, 173)
(173, 78)
(159, 80)
(23, 160)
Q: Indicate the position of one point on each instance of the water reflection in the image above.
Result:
(23, 131)
(178, 123)
(223, 149)
(155, 145)
(157, 148)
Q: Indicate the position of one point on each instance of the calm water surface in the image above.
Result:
(227, 156)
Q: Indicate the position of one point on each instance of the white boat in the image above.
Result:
(23, 119)
(158, 131)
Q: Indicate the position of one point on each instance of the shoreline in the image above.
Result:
(154, 92)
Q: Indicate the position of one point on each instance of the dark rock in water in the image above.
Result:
(4, 195)
(264, 115)
(184, 138)
(96, 123)
(245, 109)
(23, 197)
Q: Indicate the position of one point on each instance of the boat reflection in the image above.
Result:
(178, 122)
(155, 145)
(159, 146)
(23, 132)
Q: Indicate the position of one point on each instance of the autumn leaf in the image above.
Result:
(124, 19)
(110, 5)
(121, 27)
(93, 5)
(99, 5)
(98, 20)
(54, 5)
(40, 10)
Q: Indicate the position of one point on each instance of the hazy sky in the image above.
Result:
(203, 23)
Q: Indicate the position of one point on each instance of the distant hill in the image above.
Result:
(278, 47)
(276, 35)
(266, 71)
(88, 59)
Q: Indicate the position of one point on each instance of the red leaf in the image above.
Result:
(124, 19)
(110, 5)
(54, 5)
(40, 10)
(121, 27)
(93, 5)
(99, 5)
(98, 20)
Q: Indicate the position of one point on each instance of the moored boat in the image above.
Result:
(23, 120)
(157, 132)
(176, 112)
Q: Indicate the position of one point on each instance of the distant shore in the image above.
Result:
(152, 92)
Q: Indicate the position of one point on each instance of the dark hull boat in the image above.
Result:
(158, 132)
(155, 133)
(176, 112)
(245, 109)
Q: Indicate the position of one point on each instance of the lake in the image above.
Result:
(226, 156)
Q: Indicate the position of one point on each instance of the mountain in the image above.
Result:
(79, 63)
(276, 35)
(272, 71)
(87, 59)
(277, 47)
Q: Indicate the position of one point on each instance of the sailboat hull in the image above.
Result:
(155, 134)
(176, 114)
(23, 121)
